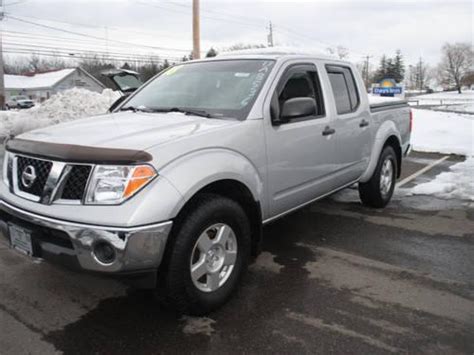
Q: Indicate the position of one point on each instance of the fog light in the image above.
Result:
(104, 252)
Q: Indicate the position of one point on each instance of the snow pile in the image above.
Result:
(443, 132)
(457, 183)
(62, 107)
(376, 99)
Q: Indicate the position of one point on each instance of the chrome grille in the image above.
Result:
(76, 182)
(42, 168)
(53, 182)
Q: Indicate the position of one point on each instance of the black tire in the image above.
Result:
(180, 291)
(370, 192)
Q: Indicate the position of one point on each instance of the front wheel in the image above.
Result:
(210, 252)
(378, 191)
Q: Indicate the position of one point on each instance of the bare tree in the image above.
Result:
(339, 51)
(418, 75)
(455, 64)
(242, 46)
(35, 63)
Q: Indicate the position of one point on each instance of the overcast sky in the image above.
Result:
(418, 28)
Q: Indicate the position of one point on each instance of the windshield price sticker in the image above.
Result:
(173, 70)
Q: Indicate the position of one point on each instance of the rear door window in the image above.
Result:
(344, 89)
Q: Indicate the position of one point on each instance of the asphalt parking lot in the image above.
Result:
(334, 277)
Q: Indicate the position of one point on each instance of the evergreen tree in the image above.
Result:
(165, 65)
(381, 72)
(211, 53)
(391, 68)
(398, 67)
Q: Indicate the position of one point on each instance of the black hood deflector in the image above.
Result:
(77, 153)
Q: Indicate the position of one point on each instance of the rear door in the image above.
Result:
(352, 124)
(300, 157)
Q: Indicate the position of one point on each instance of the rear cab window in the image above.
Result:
(344, 88)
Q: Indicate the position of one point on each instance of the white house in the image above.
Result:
(40, 87)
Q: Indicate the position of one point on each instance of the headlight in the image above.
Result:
(111, 185)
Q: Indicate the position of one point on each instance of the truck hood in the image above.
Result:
(128, 130)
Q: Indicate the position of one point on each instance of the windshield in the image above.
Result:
(226, 88)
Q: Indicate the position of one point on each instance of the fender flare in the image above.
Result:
(193, 171)
(385, 131)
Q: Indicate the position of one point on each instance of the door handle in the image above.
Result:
(328, 131)
(363, 123)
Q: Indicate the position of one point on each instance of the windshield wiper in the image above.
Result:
(136, 109)
(188, 112)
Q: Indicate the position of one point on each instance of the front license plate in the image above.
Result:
(20, 239)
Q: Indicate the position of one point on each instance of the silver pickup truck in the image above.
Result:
(172, 188)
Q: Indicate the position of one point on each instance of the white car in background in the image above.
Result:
(19, 102)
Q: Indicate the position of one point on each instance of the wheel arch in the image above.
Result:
(386, 135)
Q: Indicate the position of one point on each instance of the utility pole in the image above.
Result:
(367, 58)
(270, 35)
(196, 31)
(2, 73)
(421, 75)
(106, 40)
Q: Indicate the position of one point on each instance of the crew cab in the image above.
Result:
(171, 189)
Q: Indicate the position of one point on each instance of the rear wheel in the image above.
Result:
(378, 191)
(210, 252)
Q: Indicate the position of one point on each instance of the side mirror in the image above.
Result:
(298, 107)
(118, 102)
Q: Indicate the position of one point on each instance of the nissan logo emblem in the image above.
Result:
(28, 176)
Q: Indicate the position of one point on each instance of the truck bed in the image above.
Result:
(378, 104)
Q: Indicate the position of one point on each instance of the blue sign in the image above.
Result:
(388, 87)
(397, 90)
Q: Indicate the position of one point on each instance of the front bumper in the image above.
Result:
(136, 248)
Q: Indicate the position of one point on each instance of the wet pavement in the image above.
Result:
(334, 277)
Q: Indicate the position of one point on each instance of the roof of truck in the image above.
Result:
(277, 53)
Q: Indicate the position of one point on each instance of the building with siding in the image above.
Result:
(42, 86)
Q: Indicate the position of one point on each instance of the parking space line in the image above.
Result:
(422, 171)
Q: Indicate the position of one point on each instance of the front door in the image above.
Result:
(300, 151)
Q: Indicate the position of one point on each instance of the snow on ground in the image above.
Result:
(67, 106)
(443, 132)
(377, 99)
(458, 183)
(465, 95)
(445, 98)
(468, 108)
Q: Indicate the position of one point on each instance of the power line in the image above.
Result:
(82, 56)
(203, 16)
(92, 36)
(47, 40)
(113, 28)
(12, 45)
(41, 38)
(250, 20)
